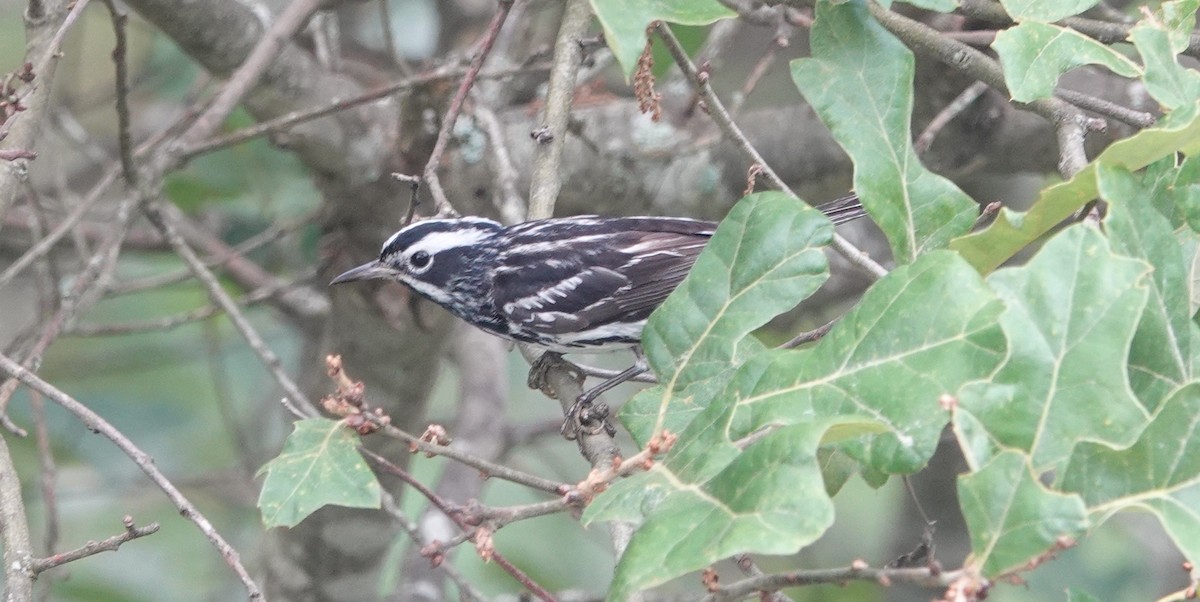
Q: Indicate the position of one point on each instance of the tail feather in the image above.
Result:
(844, 209)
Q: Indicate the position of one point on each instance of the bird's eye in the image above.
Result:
(419, 259)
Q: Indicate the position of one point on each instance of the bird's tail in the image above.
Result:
(844, 209)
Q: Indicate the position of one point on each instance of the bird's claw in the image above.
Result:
(588, 418)
(539, 370)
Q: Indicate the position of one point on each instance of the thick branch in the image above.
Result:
(14, 527)
(43, 33)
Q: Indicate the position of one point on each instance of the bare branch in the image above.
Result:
(283, 122)
(125, 146)
(286, 24)
(14, 528)
(545, 173)
(946, 115)
(857, 572)
(91, 548)
(491, 553)
(1070, 122)
(440, 202)
(725, 122)
(296, 401)
(97, 424)
(45, 29)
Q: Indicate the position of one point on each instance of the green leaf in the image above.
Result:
(770, 499)
(1040, 10)
(888, 361)
(1075, 595)
(745, 474)
(1159, 473)
(625, 21)
(1160, 356)
(765, 257)
(1178, 18)
(1012, 518)
(1034, 55)
(859, 80)
(941, 6)
(1071, 314)
(319, 465)
(1012, 231)
(1170, 83)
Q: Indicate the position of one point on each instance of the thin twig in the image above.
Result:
(125, 146)
(491, 469)
(98, 424)
(509, 202)
(1070, 123)
(466, 589)
(389, 39)
(282, 28)
(12, 154)
(440, 202)
(946, 115)
(815, 334)
(1126, 115)
(91, 548)
(78, 298)
(267, 236)
(504, 563)
(605, 373)
(725, 122)
(777, 581)
(47, 470)
(176, 320)
(781, 41)
(296, 401)
(749, 568)
(337, 105)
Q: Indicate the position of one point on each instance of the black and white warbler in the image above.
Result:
(571, 284)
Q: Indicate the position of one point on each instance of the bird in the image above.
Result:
(569, 284)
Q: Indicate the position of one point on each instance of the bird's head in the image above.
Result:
(434, 257)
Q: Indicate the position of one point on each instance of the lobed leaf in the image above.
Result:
(859, 80)
(1012, 518)
(1012, 231)
(1159, 473)
(1034, 55)
(1070, 316)
(1040, 10)
(624, 22)
(319, 465)
(1160, 355)
(745, 474)
(765, 257)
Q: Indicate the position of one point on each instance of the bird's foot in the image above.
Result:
(586, 417)
(539, 372)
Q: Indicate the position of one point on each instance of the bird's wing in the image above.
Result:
(565, 276)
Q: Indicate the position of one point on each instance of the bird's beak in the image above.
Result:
(366, 271)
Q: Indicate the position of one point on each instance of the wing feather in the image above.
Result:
(562, 276)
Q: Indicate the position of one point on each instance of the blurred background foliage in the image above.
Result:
(187, 395)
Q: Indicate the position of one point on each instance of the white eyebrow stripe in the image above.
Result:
(436, 242)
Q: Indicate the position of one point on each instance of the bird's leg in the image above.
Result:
(582, 411)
